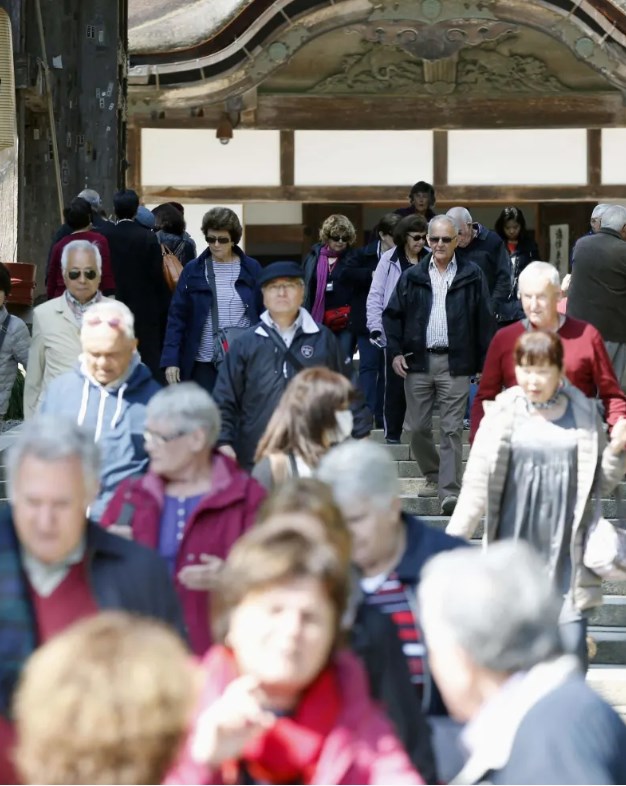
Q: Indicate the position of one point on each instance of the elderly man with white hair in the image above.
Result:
(597, 291)
(486, 249)
(491, 624)
(108, 392)
(586, 362)
(55, 345)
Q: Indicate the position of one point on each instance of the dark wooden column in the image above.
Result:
(86, 57)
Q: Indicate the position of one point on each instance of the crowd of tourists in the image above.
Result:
(206, 571)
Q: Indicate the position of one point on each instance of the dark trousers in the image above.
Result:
(371, 376)
(395, 401)
(205, 375)
(574, 638)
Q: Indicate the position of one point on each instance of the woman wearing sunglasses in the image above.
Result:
(193, 503)
(216, 292)
(328, 296)
(409, 236)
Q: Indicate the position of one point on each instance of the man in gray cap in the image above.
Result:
(261, 362)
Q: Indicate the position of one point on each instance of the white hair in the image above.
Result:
(599, 209)
(538, 269)
(53, 438)
(460, 216)
(81, 245)
(614, 217)
(189, 406)
(440, 219)
(91, 196)
(107, 310)
(357, 470)
(497, 605)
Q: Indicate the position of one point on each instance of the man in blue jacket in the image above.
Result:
(57, 567)
(107, 393)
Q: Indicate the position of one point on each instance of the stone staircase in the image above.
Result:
(607, 624)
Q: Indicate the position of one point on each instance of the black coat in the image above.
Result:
(342, 289)
(357, 272)
(374, 639)
(255, 374)
(470, 323)
(511, 309)
(137, 265)
(489, 252)
(597, 292)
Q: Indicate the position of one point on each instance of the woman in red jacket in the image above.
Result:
(282, 703)
(192, 505)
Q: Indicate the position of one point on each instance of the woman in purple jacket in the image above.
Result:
(410, 239)
(192, 505)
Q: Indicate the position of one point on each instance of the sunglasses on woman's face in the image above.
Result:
(74, 275)
(340, 238)
(416, 237)
(221, 239)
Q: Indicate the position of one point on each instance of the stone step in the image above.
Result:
(609, 681)
(611, 643)
(403, 452)
(430, 506)
(378, 435)
(611, 614)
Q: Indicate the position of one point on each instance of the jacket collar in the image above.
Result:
(466, 272)
(608, 231)
(308, 324)
(493, 742)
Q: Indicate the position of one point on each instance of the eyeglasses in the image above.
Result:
(152, 437)
(288, 286)
(74, 275)
(417, 236)
(340, 238)
(434, 240)
(221, 239)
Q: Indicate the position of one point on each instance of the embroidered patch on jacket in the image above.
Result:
(307, 351)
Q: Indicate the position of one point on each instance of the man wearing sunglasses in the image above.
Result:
(438, 325)
(55, 345)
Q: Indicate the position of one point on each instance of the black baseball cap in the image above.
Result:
(280, 270)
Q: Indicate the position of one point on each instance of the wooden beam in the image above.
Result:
(440, 159)
(594, 156)
(287, 158)
(133, 158)
(293, 112)
(381, 194)
(260, 234)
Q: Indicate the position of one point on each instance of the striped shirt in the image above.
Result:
(437, 330)
(391, 598)
(231, 310)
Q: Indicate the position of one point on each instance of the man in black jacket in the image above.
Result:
(262, 361)
(137, 265)
(597, 292)
(438, 325)
(57, 567)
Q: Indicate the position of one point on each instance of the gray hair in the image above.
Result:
(459, 216)
(107, 310)
(91, 196)
(81, 245)
(442, 217)
(599, 209)
(614, 217)
(53, 438)
(498, 605)
(360, 470)
(538, 269)
(189, 406)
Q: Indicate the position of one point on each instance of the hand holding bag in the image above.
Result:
(605, 545)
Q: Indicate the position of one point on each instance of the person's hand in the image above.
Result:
(201, 577)
(172, 375)
(225, 728)
(228, 450)
(376, 338)
(618, 437)
(400, 366)
(122, 530)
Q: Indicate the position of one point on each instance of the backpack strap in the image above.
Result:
(4, 329)
(288, 355)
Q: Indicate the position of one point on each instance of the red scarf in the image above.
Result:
(289, 751)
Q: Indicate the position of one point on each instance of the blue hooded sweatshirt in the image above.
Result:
(116, 414)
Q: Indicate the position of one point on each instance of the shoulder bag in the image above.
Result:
(172, 267)
(222, 337)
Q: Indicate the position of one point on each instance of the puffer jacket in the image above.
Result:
(486, 472)
(14, 350)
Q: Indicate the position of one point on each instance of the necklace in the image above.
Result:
(545, 404)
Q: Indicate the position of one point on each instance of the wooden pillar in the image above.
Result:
(86, 54)
(133, 158)
(440, 159)
(594, 159)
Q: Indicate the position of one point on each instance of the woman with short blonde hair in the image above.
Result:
(106, 701)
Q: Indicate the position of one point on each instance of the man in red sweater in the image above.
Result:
(587, 364)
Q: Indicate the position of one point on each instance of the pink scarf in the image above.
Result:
(317, 312)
